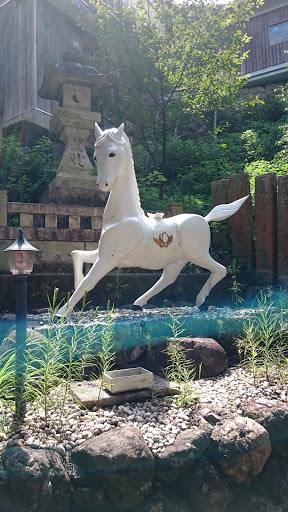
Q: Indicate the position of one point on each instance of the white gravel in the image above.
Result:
(159, 420)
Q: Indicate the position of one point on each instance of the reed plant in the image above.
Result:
(58, 357)
(181, 370)
(236, 287)
(106, 354)
(55, 360)
(263, 347)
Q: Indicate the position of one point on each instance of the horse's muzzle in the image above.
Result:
(105, 187)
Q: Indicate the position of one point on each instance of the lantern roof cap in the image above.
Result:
(21, 244)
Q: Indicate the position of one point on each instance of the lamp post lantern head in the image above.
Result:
(21, 255)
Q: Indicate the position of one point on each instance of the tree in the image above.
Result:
(25, 172)
(171, 61)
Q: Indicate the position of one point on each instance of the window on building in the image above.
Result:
(278, 33)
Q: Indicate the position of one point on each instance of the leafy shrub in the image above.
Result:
(25, 172)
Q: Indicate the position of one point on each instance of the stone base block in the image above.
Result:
(74, 196)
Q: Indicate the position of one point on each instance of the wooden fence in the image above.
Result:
(258, 233)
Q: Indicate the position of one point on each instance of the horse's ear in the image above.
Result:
(120, 131)
(98, 131)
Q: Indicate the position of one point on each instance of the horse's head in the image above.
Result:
(110, 155)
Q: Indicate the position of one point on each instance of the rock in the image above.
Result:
(273, 480)
(275, 421)
(206, 351)
(210, 416)
(200, 350)
(9, 342)
(163, 502)
(118, 465)
(242, 447)
(37, 479)
(4, 490)
(260, 504)
(205, 488)
(176, 459)
(91, 393)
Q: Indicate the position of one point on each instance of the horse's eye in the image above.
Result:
(95, 159)
(112, 154)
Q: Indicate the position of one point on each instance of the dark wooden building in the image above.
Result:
(268, 61)
(32, 32)
(35, 31)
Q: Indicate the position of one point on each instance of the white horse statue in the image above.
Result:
(130, 239)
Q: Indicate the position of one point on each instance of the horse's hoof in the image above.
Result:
(203, 307)
(135, 307)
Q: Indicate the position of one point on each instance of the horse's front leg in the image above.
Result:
(116, 241)
(100, 268)
(79, 258)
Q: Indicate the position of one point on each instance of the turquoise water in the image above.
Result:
(137, 329)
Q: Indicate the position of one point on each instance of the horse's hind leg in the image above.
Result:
(218, 272)
(79, 258)
(169, 275)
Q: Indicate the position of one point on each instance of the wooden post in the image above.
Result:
(282, 217)
(266, 226)
(3, 208)
(242, 221)
(221, 233)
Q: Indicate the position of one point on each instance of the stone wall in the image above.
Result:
(120, 289)
(55, 230)
(261, 91)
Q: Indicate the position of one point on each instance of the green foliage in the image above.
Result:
(106, 354)
(55, 360)
(25, 172)
(181, 370)
(163, 77)
(263, 348)
(118, 286)
(236, 287)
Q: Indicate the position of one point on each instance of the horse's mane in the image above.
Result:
(111, 134)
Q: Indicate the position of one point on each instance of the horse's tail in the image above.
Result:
(223, 211)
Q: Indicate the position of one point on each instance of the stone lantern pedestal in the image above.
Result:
(75, 87)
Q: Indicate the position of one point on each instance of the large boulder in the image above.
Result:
(205, 352)
(9, 342)
(242, 447)
(274, 420)
(37, 481)
(272, 483)
(205, 488)
(116, 467)
(176, 459)
(163, 501)
(202, 351)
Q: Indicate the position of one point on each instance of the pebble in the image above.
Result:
(159, 420)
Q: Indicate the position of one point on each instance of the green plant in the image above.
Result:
(25, 172)
(220, 328)
(106, 355)
(56, 359)
(118, 286)
(236, 287)
(181, 370)
(263, 347)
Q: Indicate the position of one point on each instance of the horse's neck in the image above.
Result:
(124, 198)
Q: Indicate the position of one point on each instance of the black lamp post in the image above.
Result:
(21, 257)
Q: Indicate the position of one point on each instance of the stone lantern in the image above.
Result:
(76, 87)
